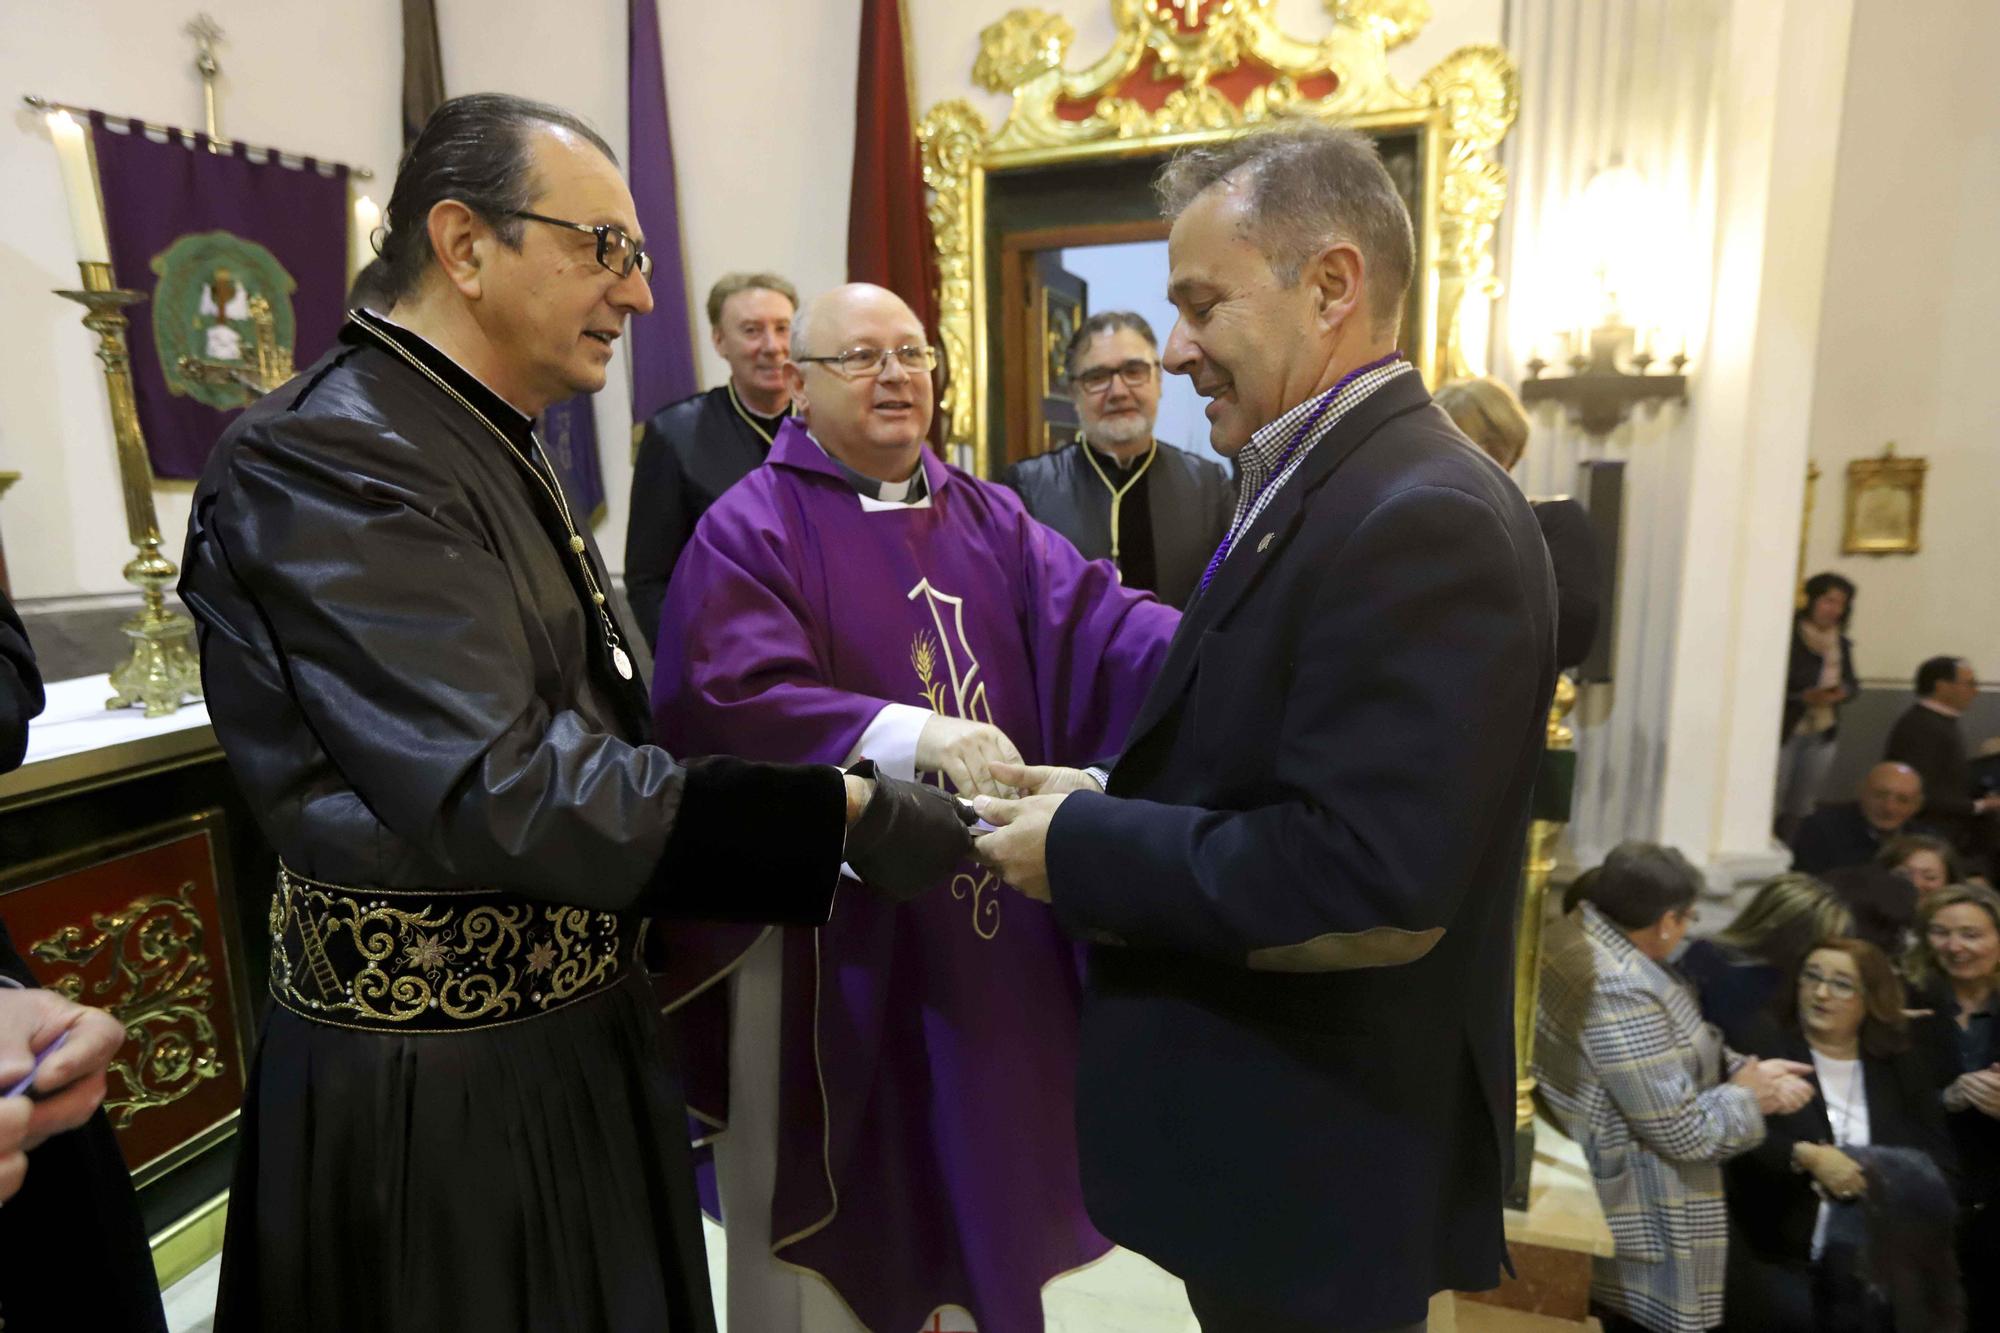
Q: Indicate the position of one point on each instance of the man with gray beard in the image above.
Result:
(1154, 511)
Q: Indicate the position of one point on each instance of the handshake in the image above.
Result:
(905, 837)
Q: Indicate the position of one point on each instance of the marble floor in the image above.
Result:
(1122, 1294)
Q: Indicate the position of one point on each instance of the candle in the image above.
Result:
(367, 217)
(86, 220)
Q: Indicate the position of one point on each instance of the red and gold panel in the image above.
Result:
(135, 926)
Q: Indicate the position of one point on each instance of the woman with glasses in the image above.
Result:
(1954, 974)
(1626, 1067)
(1843, 1013)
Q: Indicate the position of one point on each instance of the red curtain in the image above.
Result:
(888, 231)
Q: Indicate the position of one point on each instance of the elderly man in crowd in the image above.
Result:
(899, 1083)
(692, 451)
(1154, 511)
(1296, 1087)
(1851, 833)
(464, 1112)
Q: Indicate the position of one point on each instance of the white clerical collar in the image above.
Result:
(881, 496)
(1937, 707)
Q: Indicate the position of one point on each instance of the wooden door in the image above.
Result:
(1047, 302)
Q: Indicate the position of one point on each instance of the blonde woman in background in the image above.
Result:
(1740, 973)
(1492, 418)
(1954, 975)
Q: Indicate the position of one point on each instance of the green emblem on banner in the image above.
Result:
(222, 319)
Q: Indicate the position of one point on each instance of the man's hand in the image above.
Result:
(68, 1086)
(859, 789)
(1822, 695)
(1779, 1085)
(1019, 845)
(1837, 1174)
(965, 752)
(1986, 805)
(1044, 780)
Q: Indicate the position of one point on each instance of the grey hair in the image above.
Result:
(1104, 321)
(1309, 185)
(731, 284)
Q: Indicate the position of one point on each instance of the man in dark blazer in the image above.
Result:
(1927, 737)
(1296, 1081)
(692, 451)
(1116, 492)
(1850, 833)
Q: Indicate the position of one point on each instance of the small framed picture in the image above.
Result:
(1885, 505)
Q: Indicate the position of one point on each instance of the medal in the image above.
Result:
(622, 662)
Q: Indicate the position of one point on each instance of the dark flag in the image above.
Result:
(888, 225)
(423, 66)
(569, 436)
(244, 264)
(662, 343)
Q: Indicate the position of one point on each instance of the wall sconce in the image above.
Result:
(1617, 234)
(1599, 396)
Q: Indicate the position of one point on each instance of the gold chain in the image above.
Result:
(751, 421)
(577, 545)
(1117, 492)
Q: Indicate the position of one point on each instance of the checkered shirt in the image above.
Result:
(1256, 481)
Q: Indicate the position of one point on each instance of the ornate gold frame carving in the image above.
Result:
(1885, 505)
(1464, 105)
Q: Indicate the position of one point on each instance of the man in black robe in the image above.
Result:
(692, 451)
(463, 1112)
(1117, 493)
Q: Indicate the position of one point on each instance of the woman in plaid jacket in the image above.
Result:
(1626, 1066)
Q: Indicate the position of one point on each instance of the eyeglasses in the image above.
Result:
(861, 362)
(616, 250)
(1134, 372)
(1841, 988)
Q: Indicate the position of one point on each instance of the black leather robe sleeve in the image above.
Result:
(349, 585)
(21, 697)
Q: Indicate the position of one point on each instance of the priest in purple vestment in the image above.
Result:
(890, 1096)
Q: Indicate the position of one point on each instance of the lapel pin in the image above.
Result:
(1261, 546)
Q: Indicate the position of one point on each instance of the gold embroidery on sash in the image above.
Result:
(398, 959)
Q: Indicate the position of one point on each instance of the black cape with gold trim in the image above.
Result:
(406, 672)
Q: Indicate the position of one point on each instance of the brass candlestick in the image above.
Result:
(1553, 798)
(161, 670)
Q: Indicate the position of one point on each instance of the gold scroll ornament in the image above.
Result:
(156, 980)
(1469, 100)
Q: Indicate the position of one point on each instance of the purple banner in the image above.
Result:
(245, 268)
(569, 437)
(663, 342)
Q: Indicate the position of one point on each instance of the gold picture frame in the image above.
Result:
(1885, 505)
(1228, 66)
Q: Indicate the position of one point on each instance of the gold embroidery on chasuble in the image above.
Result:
(949, 681)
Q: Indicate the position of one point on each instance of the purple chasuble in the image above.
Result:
(926, 1150)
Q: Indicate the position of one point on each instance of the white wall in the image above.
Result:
(1908, 343)
(762, 101)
